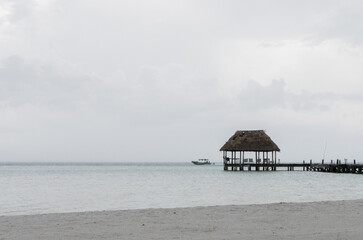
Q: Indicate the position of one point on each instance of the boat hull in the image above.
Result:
(200, 163)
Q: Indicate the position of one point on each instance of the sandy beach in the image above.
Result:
(317, 220)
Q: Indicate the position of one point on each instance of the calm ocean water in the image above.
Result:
(33, 188)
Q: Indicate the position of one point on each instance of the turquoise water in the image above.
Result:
(33, 188)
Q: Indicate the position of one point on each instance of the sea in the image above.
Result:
(39, 188)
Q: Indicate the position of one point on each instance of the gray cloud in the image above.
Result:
(17, 10)
(320, 102)
(23, 83)
(80, 79)
(343, 21)
(257, 97)
(157, 96)
(306, 101)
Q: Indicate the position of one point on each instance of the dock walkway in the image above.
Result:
(318, 167)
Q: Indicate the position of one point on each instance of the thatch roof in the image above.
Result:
(250, 141)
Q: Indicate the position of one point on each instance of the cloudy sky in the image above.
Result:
(168, 80)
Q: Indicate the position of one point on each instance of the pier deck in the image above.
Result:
(319, 167)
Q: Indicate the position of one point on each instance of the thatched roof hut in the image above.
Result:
(250, 141)
(256, 141)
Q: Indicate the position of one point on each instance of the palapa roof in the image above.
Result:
(250, 141)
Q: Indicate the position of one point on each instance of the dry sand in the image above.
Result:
(318, 220)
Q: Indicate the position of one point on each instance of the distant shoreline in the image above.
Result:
(313, 220)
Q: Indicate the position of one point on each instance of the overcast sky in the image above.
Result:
(166, 80)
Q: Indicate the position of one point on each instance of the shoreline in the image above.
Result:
(305, 220)
(176, 208)
(182, 207)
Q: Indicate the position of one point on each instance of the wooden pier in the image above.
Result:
(316, 167)
(249, 150)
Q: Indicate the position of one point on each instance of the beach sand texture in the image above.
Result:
(318, 220)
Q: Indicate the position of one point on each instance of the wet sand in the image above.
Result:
(317, 220)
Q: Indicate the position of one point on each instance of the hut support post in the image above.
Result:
(272, 161)
(233, 161)
(243, 160)
(275, 161)
(225, 161)
(240, 161)
(235, 156)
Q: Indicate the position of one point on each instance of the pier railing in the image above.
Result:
(335, 167)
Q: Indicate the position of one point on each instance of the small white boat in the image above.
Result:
(202, 161)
